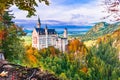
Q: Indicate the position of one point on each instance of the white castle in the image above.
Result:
(44, 37)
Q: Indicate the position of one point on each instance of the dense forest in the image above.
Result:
(79, 62)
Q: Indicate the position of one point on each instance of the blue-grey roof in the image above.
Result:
(41, 31)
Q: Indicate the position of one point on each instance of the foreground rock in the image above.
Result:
(10, 71)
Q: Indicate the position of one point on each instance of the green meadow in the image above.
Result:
(27, 39)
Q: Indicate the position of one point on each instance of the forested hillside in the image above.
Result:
(100, 29)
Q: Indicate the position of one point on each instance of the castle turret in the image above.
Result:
(65, 34)
(38, 26)
(46, 33)
(46, 30)
(38, 23)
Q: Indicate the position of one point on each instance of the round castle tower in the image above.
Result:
(65, 34)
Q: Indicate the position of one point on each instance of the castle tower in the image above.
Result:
(46, 33)
(39, 22)
(65, 34)
(38, 26)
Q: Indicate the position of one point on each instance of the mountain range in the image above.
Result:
(100, 29)
(29, 25)
(33, 23)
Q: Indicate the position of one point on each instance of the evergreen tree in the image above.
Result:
(10, 38)
(103, 62)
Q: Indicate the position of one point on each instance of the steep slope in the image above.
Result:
(115, 37)
(100, 29)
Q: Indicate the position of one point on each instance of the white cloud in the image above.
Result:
(79, 14)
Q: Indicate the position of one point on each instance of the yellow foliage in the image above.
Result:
(77, 47)
(31, 54)
(91, 43)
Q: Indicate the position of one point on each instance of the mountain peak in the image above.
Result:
(101, 29)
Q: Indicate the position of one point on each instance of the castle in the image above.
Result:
(44, 37)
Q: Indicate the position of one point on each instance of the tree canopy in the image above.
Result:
(27, 5)
(112, 9)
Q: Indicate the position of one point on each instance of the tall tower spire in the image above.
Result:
(46, 33)
(39, 22)
(65, 34)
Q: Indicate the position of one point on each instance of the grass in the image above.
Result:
(27, 39)
(90, 43)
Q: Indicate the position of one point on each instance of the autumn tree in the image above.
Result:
(3, 34)
(10, 41)
(12, 44)
(77, 47)
(74, 45)
(31, 56)
(4, 23)
(112, 9)
(27, 5)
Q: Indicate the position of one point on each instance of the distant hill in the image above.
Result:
(28, 32)
(101, 29)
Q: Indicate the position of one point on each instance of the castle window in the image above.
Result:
(35, 40)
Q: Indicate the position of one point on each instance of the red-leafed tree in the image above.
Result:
(3, 34)
(112, 7)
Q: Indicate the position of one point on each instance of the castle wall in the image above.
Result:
(51, 41)
(44, 40)
(34, 39)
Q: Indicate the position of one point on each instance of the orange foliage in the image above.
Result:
(116, 33)
(1, 18)
(78, 48)
(3, 34)
(84, 69)
(32, 59)
(30, 51)
(74, 45)
(52, 50)
(31, 54)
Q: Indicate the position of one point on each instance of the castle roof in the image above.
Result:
(41, 31)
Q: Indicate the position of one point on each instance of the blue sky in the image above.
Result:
(71, 2)
(78, 12)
